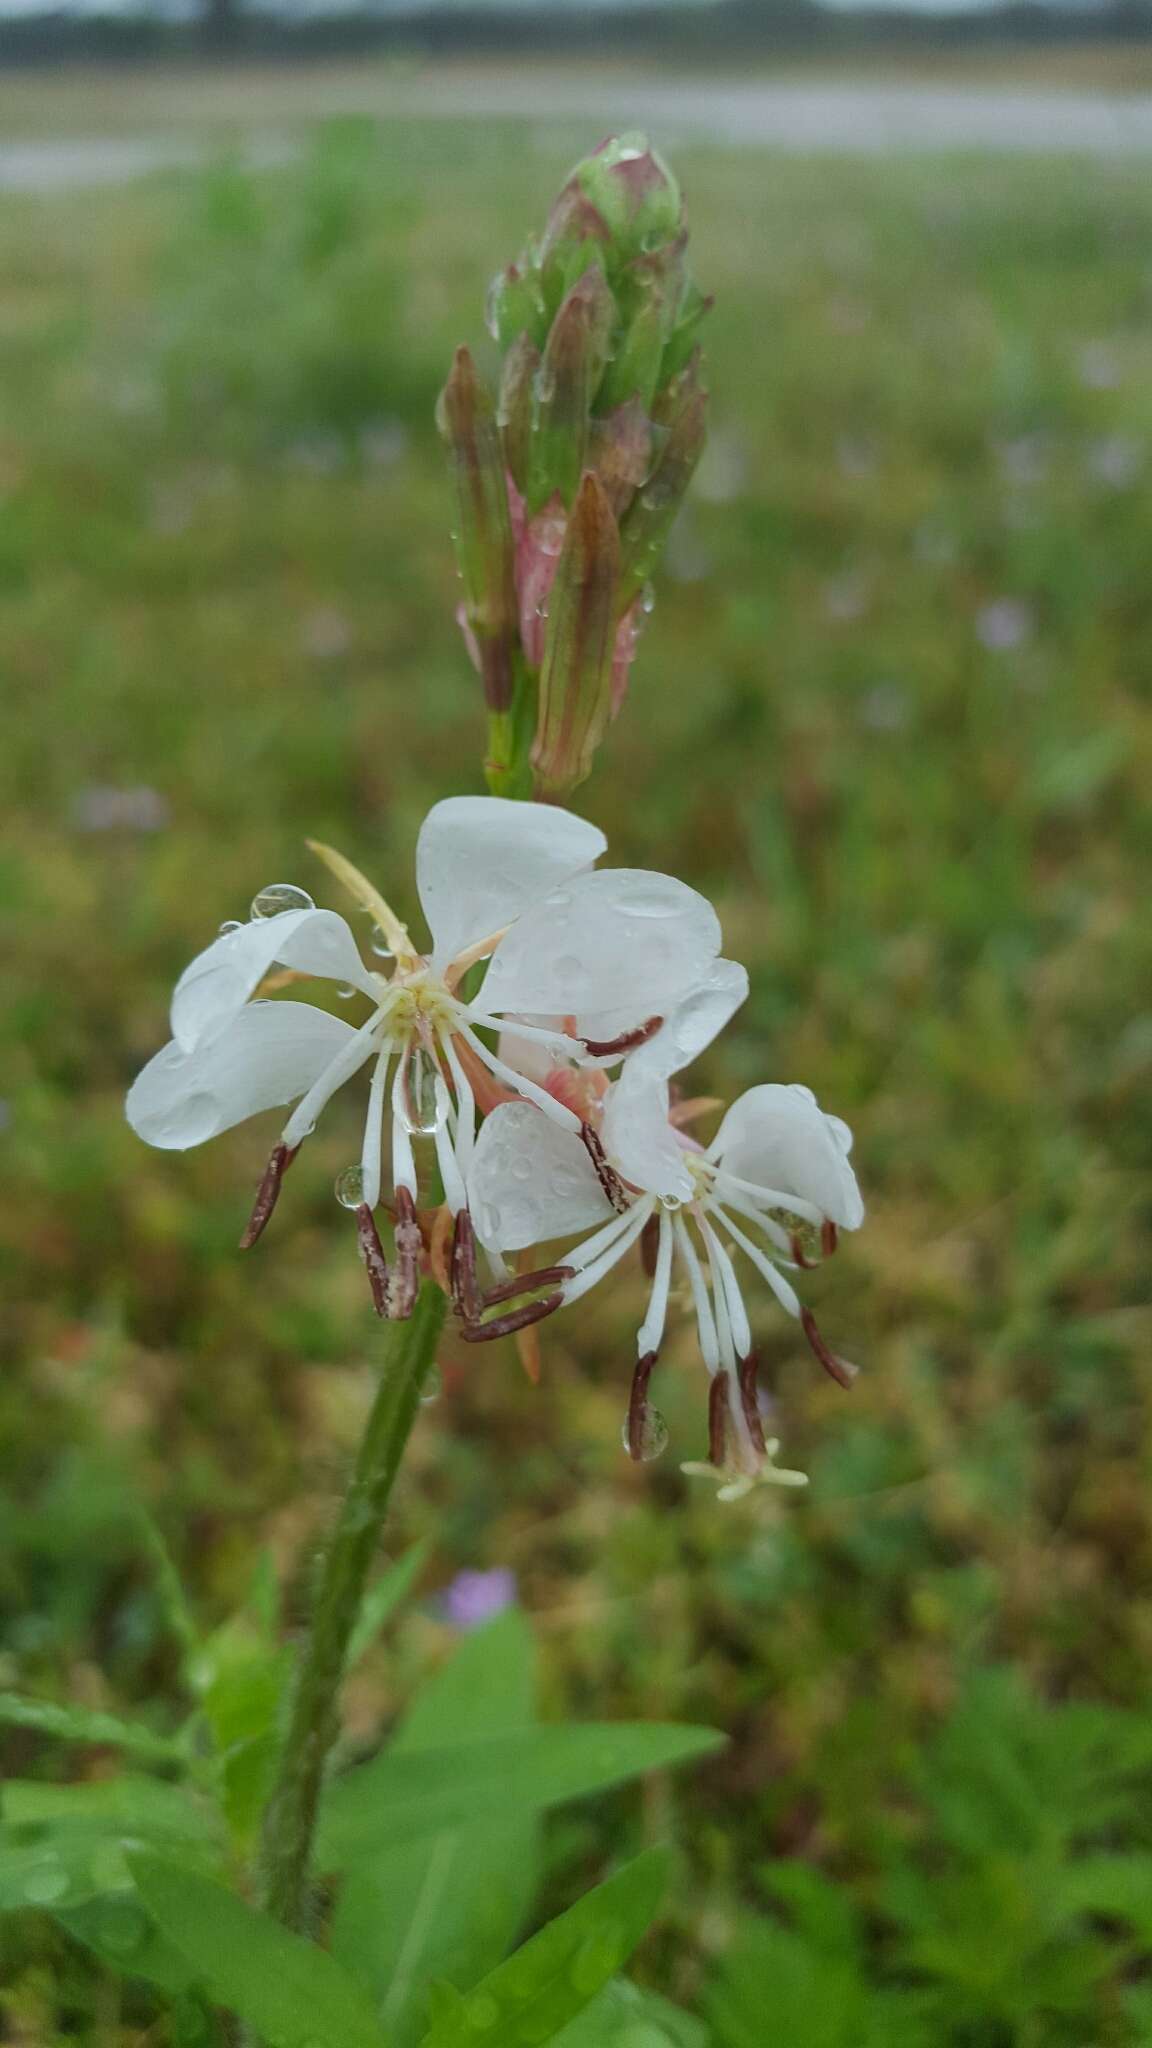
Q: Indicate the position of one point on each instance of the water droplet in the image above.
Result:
(483, 2013)
(420, 1112)
(569, 964)
(278, 897)
(379, 944)
(230, 924)
(670, 1202)
(433, 1387)
(44, 1884)
(350, 1187)
(521, 1168)
(490, 1223)
(648, 599)
(345, 991)
(653, 1435)
(541, 611)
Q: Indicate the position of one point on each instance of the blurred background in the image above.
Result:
(891, 713)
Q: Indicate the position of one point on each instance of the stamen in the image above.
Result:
(368, 898)
(403, 1157)
(450, 1174)
(527, 1283)
(608, 1233)
(649, 1242)
(465, 1106)
(466, 1297)
(372, 1253)
(652, 1328)
(718, 1421)
(348, 1061)
(785, 1294)
(770, 1198)
(521, 1085)
(839, 1369)
(516, 1319)
(799, 1256)
(404, 1283)
(749, 1367)
(608, 1048)
(589, 1276)
(638, 1407)
(268, 1193)
(560, 1042)
(607, 1175)
(734, 1300)
(705, 1320)
(829, 1237)
(372, 1151)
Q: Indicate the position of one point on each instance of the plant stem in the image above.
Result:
(313, 1716)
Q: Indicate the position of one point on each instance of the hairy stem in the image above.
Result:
(312, 1714)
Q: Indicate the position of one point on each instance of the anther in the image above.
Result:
(607, 1176)
(799, 1255)
(268, 1193)
(650, 1245)
(838, 1369)
(526, 1283)
(829, 1237)
(749, 1400)
(718, 1420)
(638, 1407)
(466, 1300)
(372, 1253)
(404, 1283)
(607, 1048)
(516, 1319)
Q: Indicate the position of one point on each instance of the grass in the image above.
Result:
(892, 714)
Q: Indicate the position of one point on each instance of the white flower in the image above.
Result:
(693, 1210)
(510, 883)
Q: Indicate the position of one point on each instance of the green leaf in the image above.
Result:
(447, 1907)
(400, 1797)
(528, 1999)
(78, 1724)
(382, 1600)
(120, 1933)
(65, 1844)
(290, 1991)
(624, 2016)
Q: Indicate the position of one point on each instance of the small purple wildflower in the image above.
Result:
(476, 1597)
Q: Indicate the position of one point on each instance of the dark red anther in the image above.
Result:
(607, 1176)
(650, 1245)
(718, 1420)
(466, 1299)
(372, 1253)
(607, 1048)
(749, 1400)
(838, 1369)
(638, 1407)
(267, 1194)
(829, 1237)
(799, 1255)
(526, 1283)
(404, 1282)
(516, 1319)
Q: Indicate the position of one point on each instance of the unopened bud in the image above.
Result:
(622, 447)
(573, 364)
(516, 407)
(576, 676)
(467, 421)
(514, 304)
(634, 191)
(647, 522)
(648, 293)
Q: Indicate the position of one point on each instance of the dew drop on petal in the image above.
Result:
(521, 1168)
(648, 599)
(491, 1223)
(350, 1187)
(569, 964)
(230, 924)
(345, 991)
(653, 1435)
(433, 1387)
(670, 1202)
(379, 944)
(45, 1883)
(280, 896)
(420, 1111)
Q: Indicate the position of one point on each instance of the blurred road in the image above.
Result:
(835, 115)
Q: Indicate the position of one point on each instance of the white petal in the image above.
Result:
(617, 939)
(638, 1137)
(530, 1180)
(481, 860)
(695, 1021)
(220, 980)
(779, 1137)
(272, 1053)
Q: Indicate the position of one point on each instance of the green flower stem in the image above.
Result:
(313, 1702)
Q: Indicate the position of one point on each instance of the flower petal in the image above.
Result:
(695, 1021)
(616, 939)
(220, 980)
(272, 1053)
(638, 1138)
(779, 1137)
(531, 1180)
(481, 860)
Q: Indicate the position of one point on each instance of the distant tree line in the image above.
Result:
(725, 31)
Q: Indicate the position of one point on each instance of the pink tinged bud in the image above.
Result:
(694, 306)
(632, 187)
(624, 653)
(646, 524)
(574, 358)
(648, 293)
(467, 422)
(516, 406)
(576, 676)
(537, 560)
(621, 453)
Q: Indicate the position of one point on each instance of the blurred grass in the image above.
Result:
(892, 714)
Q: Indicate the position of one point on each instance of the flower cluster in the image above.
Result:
(522, 1072)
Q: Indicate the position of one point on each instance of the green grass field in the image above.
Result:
(892, 714)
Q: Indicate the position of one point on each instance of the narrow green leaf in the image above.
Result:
(624, 2016)
(120, 1933)
(65, 1844)
(400, 1797)
(79, 1724)
(382, 1600)
(449, 1906)
(290, 1991)
(528, 1999)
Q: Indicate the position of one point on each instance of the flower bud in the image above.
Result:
(516, 406)
(467, 421)
(575, 354)
(634, 191)
(576, 675)
(646, 524)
